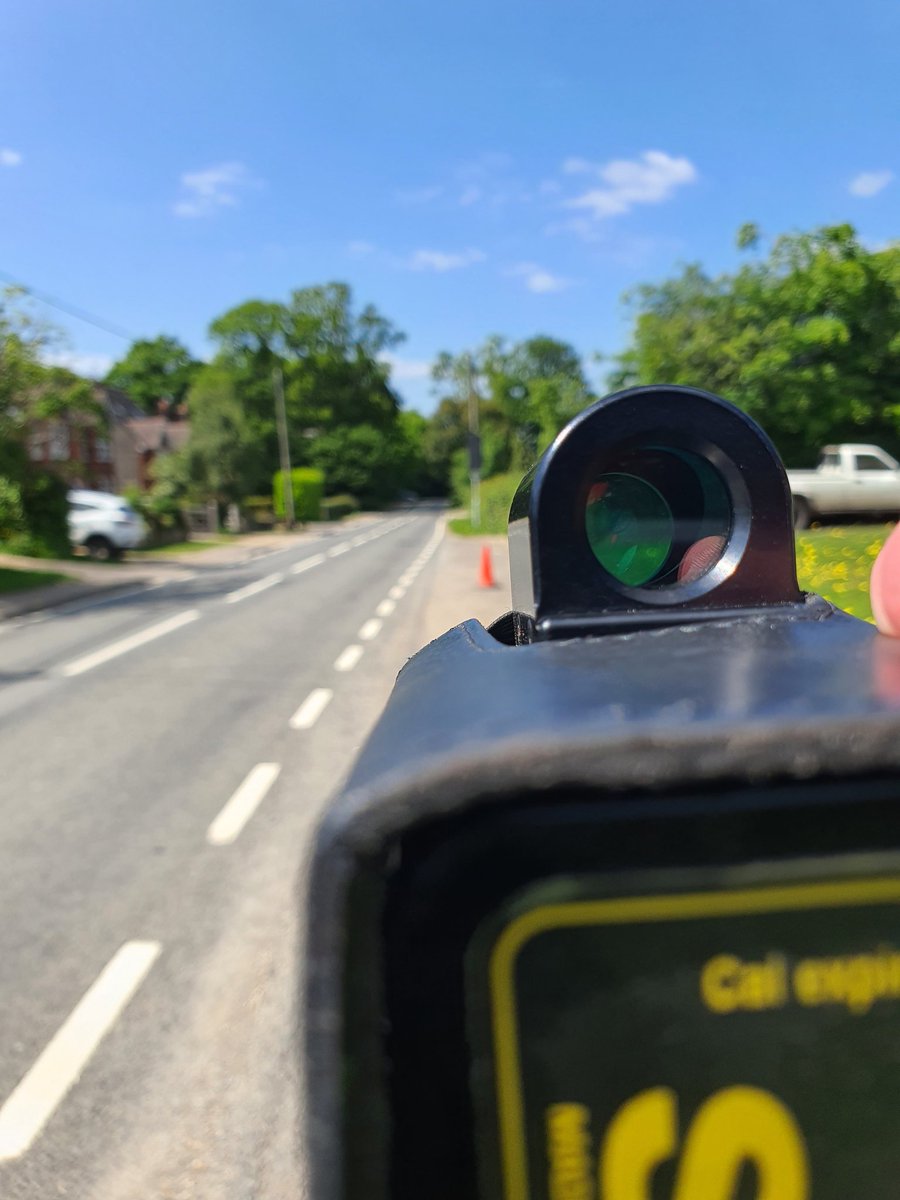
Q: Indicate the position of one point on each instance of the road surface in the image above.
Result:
(163, 758)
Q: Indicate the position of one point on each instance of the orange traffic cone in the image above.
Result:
(486, 570)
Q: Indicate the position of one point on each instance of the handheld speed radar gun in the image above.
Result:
(609, 908)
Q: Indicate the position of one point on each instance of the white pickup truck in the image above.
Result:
(850, 479)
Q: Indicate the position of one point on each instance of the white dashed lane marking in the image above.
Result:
(307, 564)
(41, 1090)
(243, 804)
(311, 709)
(348, 658)
(79, 665)
(258, 585)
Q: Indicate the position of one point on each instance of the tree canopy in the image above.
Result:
(526, 393)
(340, 408)
(806, 338)
(152, 370)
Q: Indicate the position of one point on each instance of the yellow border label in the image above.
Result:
(633, 910)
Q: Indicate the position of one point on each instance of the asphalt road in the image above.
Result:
(163, 757)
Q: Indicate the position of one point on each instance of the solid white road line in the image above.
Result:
(307, 564)
(259, 585)
(242, 805)
(37, 1096)
(369, 630)
(79, 665)
(311, 708)
(397, 592)
(336, 550)
(348, 658)
(386, 607)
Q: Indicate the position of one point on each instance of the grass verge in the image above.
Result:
(836, 562)
(14, 580)
(181, 548)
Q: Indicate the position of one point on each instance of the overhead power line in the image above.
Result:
(72, 310)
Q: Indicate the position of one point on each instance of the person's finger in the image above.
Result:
(884, 586)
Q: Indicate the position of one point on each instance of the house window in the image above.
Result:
(36, 445)
(59, 441)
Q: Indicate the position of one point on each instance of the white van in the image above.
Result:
(103, 524)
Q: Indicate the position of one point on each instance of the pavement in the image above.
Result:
(167, 750)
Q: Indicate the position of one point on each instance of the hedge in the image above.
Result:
(308, 485)
(333, 508)
(496, 497)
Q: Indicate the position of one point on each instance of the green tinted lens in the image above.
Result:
(629, 527)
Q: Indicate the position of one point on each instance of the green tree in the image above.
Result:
(155, 369)
(363, 461)
(34, 509)
(526, 393)
(804, 339)
(329, 358)
(222, 459)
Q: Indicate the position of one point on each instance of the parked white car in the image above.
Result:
(851, 479)
(105, 525)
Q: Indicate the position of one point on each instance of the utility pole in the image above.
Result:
(283, 449)
(474, 450)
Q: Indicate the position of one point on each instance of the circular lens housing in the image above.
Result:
(657, 516)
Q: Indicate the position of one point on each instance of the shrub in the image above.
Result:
(46, 514)
(12, 514)
(259, 511)
(333, 508)
(34, 522)
(161, 511)
(307, 484)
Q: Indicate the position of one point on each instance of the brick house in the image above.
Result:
(138, 442)
(109, 450)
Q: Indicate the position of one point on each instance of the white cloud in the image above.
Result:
(422, 195)
(205, 192)
(91, 366)
(8, 157)
(440, 260)
(537, 279)
(649, 179)
(870, 183)
(407, 368)
(360, 249)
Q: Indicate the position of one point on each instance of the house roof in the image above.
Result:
(119, 405)
(157, 433)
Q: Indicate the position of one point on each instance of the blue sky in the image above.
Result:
(470, 168)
